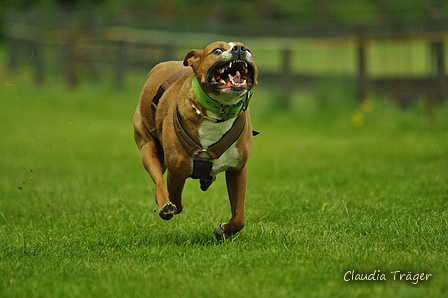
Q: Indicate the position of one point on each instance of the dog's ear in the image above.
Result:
(191, 57)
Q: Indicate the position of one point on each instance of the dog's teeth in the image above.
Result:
(245, 65)
(230, 64)
(222, 81)
(221, 71)
(233, 82)
(244, 82)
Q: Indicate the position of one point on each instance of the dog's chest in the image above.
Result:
(210, 133)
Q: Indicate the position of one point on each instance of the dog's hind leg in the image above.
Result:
(152, 159)
(236, 188)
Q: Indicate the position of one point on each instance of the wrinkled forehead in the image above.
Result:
(222, 45)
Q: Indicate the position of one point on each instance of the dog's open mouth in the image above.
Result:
(236, 74)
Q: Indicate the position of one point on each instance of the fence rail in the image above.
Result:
(124, 46)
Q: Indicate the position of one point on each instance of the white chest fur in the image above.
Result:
(211, 132)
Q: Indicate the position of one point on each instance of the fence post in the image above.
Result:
(66, 20)
(35, 48)
(362, 70)
(13, 44)
(120, 72)
(439, 56)
(287, 75)
(71, 78)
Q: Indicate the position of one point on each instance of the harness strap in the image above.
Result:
(230, 137)
(165, 85)
(190, 144)
(202, 166)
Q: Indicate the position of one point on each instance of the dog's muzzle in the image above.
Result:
(235, 75)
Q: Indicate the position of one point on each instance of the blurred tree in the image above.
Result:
(296, 12)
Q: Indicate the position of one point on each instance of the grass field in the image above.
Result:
(324, 198)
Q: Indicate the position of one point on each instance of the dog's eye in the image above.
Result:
(218, 51)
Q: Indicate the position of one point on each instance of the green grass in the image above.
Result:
(324, 197)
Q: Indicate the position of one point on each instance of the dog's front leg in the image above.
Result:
(175, 187)
(236, 188)
(153, 162)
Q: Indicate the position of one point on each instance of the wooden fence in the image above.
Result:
(76, 51)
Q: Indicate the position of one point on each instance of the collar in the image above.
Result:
(225, 112)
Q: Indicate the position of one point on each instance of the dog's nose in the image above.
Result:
(239, 49)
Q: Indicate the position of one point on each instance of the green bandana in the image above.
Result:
(223, 111)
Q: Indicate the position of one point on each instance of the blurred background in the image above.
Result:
(311, 54)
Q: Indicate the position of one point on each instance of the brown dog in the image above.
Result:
(192, 120)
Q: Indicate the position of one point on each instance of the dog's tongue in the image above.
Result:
(236, 78)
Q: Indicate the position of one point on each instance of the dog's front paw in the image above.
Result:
(167, 211)
(219, 232)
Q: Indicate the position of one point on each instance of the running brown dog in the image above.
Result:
(193, 121)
